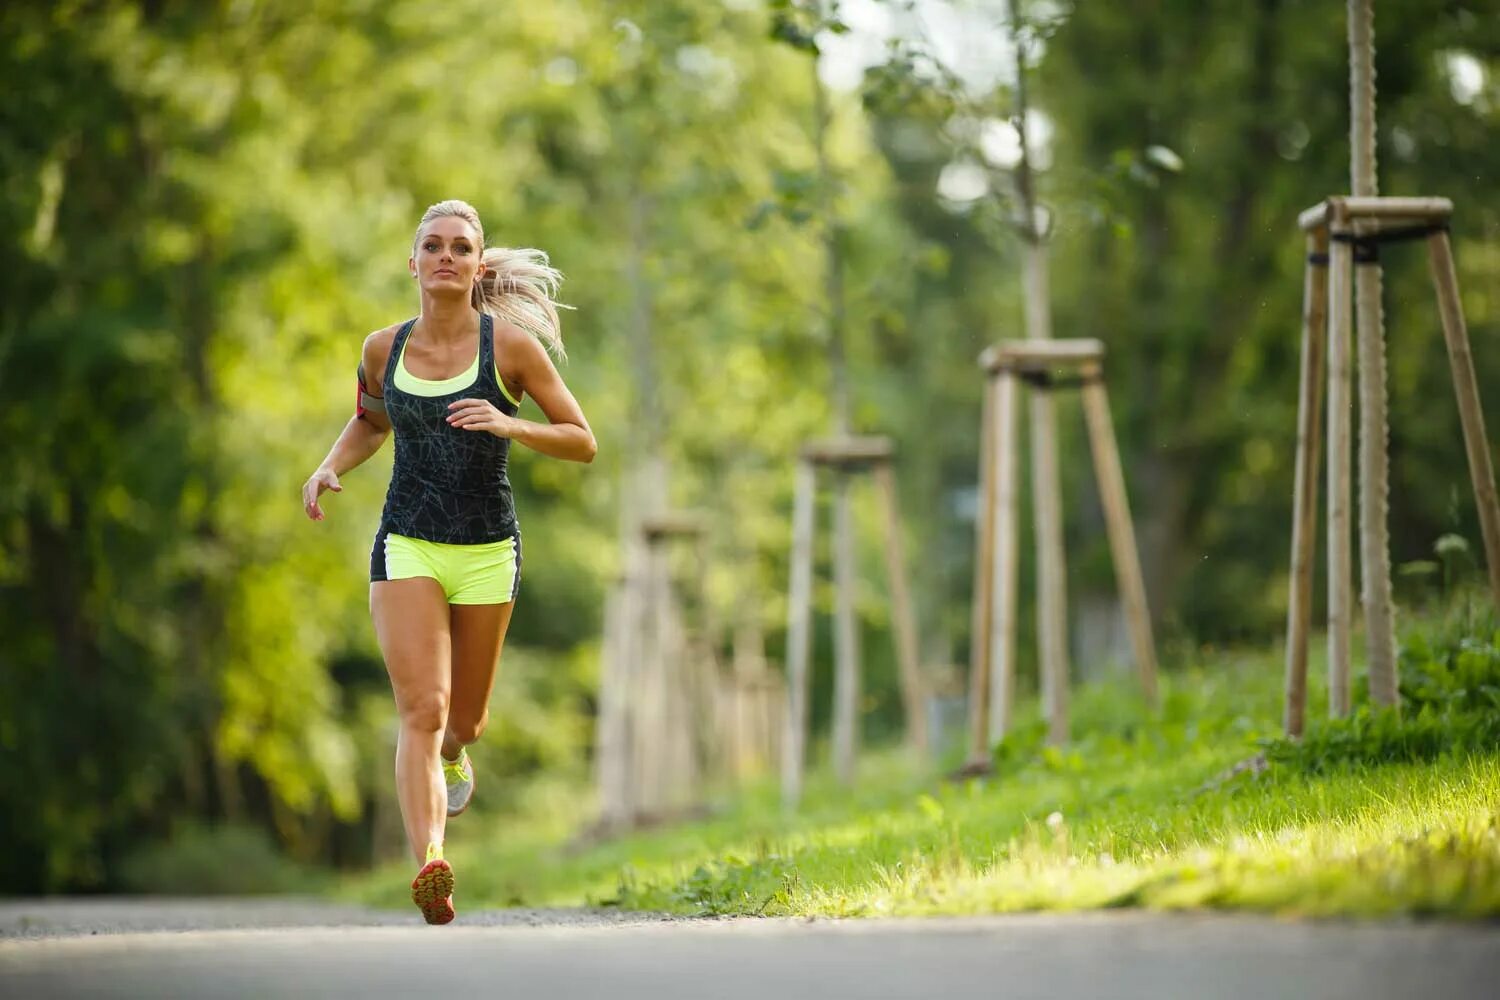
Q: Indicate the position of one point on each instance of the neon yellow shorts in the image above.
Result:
(488, 573)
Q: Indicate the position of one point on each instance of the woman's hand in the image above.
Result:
(323, 479)
(480, 415)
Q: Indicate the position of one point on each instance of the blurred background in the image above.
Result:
(206, 206)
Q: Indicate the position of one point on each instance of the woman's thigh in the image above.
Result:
(478, 632)
(411, 625)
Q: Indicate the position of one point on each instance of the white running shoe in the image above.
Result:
(459, 776)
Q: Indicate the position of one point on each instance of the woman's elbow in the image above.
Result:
(590, 448)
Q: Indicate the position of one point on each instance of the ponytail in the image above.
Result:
(518, 286)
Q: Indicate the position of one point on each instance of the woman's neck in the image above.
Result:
(446, 320)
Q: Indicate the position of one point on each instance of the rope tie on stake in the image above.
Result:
(1366, 246)
(1044, 381)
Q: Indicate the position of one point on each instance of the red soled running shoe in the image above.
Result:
(432, 889)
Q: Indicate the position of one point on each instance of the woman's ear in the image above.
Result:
(411, 266)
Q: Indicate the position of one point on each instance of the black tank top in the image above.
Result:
(447, 484)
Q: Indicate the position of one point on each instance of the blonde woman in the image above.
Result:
(447, 556)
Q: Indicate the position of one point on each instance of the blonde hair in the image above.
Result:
(518, 284)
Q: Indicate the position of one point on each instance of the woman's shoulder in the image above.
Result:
(384, 337)
(378, 344)
(513, 342)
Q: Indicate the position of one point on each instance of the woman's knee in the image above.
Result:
(469, 728)
(426, 712)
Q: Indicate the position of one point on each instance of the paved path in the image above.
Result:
(214, 948)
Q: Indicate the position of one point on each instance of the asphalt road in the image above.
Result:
(263, 948)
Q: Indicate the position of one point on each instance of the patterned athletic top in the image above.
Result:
(447, 484)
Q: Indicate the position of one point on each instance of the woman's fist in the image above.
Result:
(480, 415)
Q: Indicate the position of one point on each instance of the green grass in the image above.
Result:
(1368, 817)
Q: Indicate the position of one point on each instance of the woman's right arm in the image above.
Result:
(362, 435)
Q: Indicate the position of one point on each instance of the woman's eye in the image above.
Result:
(430, 247)
(461, 249)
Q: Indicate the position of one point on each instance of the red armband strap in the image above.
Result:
(363, 401)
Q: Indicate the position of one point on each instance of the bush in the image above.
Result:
(201, 860)
(1450, 704)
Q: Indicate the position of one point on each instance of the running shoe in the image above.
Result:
(432, 889)
(459, 774)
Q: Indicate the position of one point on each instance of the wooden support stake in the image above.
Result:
(672, 738)
(1399, 210)
(1466, 388)
(635, 647)
(1052, 574)
(1123, 551)
(846, 680)
(1004, 512)
(1340, 407)
(612, 753)
(980, 618)
(903, 621)
(1305, 489)
(703, 657)
(798, 637)
(651, 776)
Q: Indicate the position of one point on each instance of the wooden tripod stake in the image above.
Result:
(845, 456)
(995, 600)
(1335, 228)
(657, 687)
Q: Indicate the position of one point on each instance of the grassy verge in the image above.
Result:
(1370, 816)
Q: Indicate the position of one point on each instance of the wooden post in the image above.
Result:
(751, 685)
(846, 679)
(650, 778)
(1004, 514)
(770, 714)
(701, 640)
(1052, 573)
(674, 762)
(1339, 409)
(798, 637)
(1123, 551)
(1305, 488)
(1005, 363)
(903, 621)
(980, 619)
(613, 752)
(633, 651)
(735, 716)
(1465, 387)
(844, 455)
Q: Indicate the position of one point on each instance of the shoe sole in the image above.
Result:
(432, 891)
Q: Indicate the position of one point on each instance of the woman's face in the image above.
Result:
(446, 258)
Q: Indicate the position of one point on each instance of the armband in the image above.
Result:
(363, 401)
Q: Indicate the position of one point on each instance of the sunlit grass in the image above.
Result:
(1138, 811)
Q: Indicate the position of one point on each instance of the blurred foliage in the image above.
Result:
(205, 207)
(226, 859)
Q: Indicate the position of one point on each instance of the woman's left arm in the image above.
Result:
(565, 435)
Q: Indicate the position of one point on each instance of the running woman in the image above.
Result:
(446, 562)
